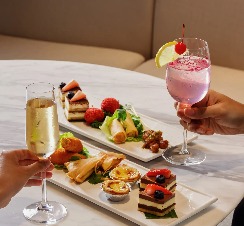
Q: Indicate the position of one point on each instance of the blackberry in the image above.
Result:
(160, 179)
(70, 95)
(158, 194)
(62, 85)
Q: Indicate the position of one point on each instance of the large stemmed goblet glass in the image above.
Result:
(188, 79)
(42, 136)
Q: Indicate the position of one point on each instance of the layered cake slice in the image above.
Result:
(156, 200)
(76, 105)
(161, 177)
(64, 89)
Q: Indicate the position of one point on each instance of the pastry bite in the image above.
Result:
(115, 190)
(72, 144)
(81, 169)
(125, 173)
(117, 131)
(76, 105)
(129, 126)
(112, 160)
(64, 89)
(156, 200)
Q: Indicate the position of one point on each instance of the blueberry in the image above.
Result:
(160, 179)
(62, 85)
(158, 194)
(70, 95)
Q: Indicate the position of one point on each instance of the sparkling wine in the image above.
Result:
(42, 130)
(188, 79)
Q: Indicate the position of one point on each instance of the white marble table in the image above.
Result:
(221, 175)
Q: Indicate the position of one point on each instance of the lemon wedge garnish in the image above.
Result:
(166, 54)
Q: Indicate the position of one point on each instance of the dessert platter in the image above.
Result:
(126, 188)
(81, 114)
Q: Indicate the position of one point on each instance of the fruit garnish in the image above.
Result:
(166, 54)
(78, 96)
(110, 105)
(93, 114)
(72, 84)
(160, 179)
(158, 194)
(62, 84)
(70, 95)
(180, 47)
(154, 172)
(151, 188)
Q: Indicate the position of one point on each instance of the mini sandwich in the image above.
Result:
(64, 89)
(76, 105)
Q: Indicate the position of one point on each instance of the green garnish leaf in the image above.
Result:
(96, 124)
(137, 123)
(134, 139)
(97, 178)
(74, 158)
(85, 152)
(171, 214)
(120, 114)
(60, 167)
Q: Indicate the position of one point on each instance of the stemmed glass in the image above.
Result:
(42, 136)
(188, 79)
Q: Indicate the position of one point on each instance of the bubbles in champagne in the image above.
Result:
(42, 130)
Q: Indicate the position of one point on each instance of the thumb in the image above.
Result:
(202, 112)
(37, 167)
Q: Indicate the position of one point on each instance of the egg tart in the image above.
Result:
(115, 190)
(125, 173)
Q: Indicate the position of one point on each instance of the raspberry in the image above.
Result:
(110, 105)
(94, 114)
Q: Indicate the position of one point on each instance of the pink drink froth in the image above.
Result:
(188, 79)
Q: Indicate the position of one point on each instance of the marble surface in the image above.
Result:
(221, 174)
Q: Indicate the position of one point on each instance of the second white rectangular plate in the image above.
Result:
(188, 201)
(134, 149)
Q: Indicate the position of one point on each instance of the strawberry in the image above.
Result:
(154, 172)
(151, 188)
(110, 105)
(94, 114)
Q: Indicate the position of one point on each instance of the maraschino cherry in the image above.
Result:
(180, 47)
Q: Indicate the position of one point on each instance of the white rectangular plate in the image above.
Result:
(188, 201)
(134, 149)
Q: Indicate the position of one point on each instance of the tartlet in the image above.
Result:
(115, 190)
(125, 173)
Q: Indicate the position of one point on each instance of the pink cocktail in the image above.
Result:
(188, 79)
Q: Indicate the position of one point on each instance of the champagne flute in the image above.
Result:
(188, 79)
(42, 136)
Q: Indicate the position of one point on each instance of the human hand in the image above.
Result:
(216, 113)
(16, 169)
